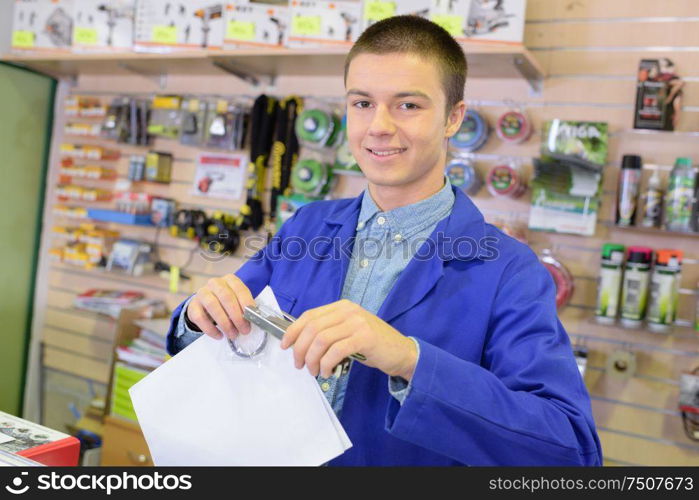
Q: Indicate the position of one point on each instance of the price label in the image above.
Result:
(23, 39)
(174, 279)
(305, 25)
(85, 36)
(164, 34)
(452, 23)
(240, 30)
(377, 10)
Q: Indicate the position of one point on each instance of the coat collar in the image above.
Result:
(420, 275)
(464, 220)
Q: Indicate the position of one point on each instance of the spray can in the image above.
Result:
(629, 182)
(679, 200)
(609, 284)
(664, 289)
(653, 202)
(634, 295)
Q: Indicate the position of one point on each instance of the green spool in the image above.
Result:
(313, 125)
(309, 177)
(318, 127)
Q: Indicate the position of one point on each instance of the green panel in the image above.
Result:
(26, 111)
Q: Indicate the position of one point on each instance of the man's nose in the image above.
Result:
(382, 122)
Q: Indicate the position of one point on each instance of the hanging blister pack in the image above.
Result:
(126, 121)
(165, 117)
(193, 127)
(226, 124)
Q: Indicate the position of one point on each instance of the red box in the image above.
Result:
(38, 443)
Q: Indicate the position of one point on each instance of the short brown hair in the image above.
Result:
(416, 35)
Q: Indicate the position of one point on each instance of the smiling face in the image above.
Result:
(397, 127)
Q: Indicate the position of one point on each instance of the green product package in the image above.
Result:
(588, 141)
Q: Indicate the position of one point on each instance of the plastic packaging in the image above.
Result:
(472, 134)
(463, 174)
(513, 127)
(561, 276)
(506, 180)
(319, 128)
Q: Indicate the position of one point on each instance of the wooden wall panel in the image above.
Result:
(590, 50)
(592, 10)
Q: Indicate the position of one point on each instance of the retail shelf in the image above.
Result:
(652, 230)
(660, 134)
(485, 60)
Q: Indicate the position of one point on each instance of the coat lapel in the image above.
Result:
(344, 234)
(422, 274)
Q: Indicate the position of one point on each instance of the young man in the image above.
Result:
(466, 360)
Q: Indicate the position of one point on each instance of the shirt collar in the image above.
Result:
(410, 219)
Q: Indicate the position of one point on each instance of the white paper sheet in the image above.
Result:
(207, 406)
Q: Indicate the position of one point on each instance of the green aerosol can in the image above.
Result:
(679, 200)
(664, 289)
(634, 295)
(609, 283)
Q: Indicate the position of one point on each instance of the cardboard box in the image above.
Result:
(377, 10)
(323, 23)
(36, 442)
(484, 20)
(105, 25)
(256, 24)
(42, 25)
(165, 26)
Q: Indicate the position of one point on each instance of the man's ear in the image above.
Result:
(456, 116)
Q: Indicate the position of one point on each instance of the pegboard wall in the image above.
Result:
(590, 51)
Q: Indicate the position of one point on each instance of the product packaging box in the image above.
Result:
(103, 25)
(322, 23)
(565, 189)
(42, 25)
(256, 24)
(658, 94)
(164, 26)
(36, 442)
(377, 10)
(487, 20)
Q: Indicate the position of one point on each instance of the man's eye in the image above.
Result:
(362, 104)
(410, 105)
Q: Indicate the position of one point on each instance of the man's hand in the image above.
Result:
(324, 336)
(218, 307)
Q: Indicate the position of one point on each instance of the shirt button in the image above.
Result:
(360, 225)
(381, 221)
(364, 263)
(397, 237)
(325, 386)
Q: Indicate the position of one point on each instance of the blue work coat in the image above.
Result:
(496, 382)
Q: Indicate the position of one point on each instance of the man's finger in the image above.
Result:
(321, 321)
(322, 342)
(215, 310)
(243, 299)
(335, 354)
(197, 314)
(294, 330)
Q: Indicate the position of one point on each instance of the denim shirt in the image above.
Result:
(385, 243)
